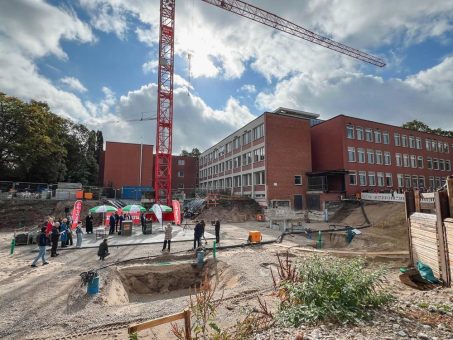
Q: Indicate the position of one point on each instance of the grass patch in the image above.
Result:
(329, 289)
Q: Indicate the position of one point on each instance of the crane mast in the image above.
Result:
(162, 175)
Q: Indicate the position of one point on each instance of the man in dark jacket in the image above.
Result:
(42, 242)
(217, 231)
(54, 237)
(117, 221)
(103, 251)
(112, 224)
(89, 224)
(198, 231)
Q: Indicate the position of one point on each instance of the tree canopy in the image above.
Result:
(417, 125)
(37, 145)
(194, 153)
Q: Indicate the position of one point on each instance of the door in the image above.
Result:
(298, 203)
(313, 202)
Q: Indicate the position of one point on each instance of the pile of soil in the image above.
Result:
(232, 210)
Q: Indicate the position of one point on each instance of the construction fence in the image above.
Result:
(430, 230)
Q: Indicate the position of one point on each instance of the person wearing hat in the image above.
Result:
(42, 242)
(103, 251)
(167, 238)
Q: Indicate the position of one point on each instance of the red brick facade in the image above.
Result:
(184, 173)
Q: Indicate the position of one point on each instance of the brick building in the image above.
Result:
(352, 155)
(266, 159)
(184, 176)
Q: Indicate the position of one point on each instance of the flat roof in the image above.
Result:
(296, 113)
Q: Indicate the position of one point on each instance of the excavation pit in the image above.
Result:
(165, 280)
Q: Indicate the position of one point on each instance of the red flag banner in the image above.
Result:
(176, 211)
(76, 213)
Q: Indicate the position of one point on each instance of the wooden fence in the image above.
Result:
(163, 320)
(431, 231)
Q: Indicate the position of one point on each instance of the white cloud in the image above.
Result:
(73, 83)
(150, 66)
(250, 88)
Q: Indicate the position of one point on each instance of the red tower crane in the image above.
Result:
(166, 68)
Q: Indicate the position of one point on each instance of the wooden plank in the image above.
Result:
(156, 322)
(450, 193)
(442, 212)
(417, 200)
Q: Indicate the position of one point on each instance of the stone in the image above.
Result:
(402, 334)
(396, 326)
(422, 336)
(426, 326)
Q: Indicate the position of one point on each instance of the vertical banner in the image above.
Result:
(176, 211)
(158, 212)
(76, 213)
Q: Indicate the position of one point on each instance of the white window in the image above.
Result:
(397, 139)
(237, 162)
(421, 181)
(385, 137)
(247, 137)
(258, 132)
(361, 155)
(407, 181)
(258, 154)
(440, 146)
(387, 158)
(237, 181)
(446, 149)
(434, 145)
(350, 131)
(377, 136)
(441, 164)
(359, 133)
(429, 161)
(352, 178)
(404, 141)
(412, 142)
(428, 144)
(371, 179)
(180, 173)
(370, 155)
(432, 183)
(259, 178)
(369, 135)
(362, 178)
(237, 143)
(379, 159)
(246, 180)
(399, 159)
(181, 162)
(400, 179)
(414, 181)
(351, 154)
(435, 164)
(413, 161)
(380, 179)
(298, 180)
(447, 165)
(388, 179)
(420, 162)
(228, 147)
(418, 142)
(406, 160)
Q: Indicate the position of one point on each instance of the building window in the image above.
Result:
(369, 135)
(247, 137)
(258, 132)
(180, 173)
(446, 149)
(413, 161)
(237, 162)
(352, 178)
(406, 160)
(414, 181)
(404, 141)
(434, 145)
(180, 185)
(246, 180)
(370, 154)
(379, 159)
(432, 184)
(387, 158)
(421, 181)
(361, 155)
(362, 178)
(435, 164)
(400, 179)
(418, 142)
(259, 178)
(399, 159)
(420, 162)
(447, 165)
(298, 180)
(385, 137)
(388, 180)
(428, 144)
(258, 154)
(397, 139)
(407, 181)
(440, 146)
(380, 179)
(371, 179)
(359, 133)
(350, 131)
(412, 142)
(351, 154)
(441, 165)
(237, 181)
(228, 147)
(429, 161)
(377, 136)
(236, 143)
(181, 162)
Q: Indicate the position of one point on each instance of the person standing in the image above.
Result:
(49, 225)
(54, 237)
(217, 231)
(103, 250)
(42, 242)
(167, 238)
(117, 221)
(112, 224)
(89, 224)
(79, 234)
(203, 225)
(63, 233)
(143, 222)
(198, 231)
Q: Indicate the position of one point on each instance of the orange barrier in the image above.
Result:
(79, 194)
(88, 196)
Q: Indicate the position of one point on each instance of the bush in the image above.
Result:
(330, 289)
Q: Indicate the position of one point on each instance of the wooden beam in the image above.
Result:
(442, 212)
(450, 193)
(187, 326)
(417, 200)
(156, 322)
(410, 208)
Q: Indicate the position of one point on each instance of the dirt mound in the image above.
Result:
(232, 210)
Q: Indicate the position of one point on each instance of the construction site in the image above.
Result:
(288, 226)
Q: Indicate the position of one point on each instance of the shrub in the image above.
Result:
(330, 289)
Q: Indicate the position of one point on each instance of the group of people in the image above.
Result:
(116, 221)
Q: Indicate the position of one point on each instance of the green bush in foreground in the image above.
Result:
(331, 289)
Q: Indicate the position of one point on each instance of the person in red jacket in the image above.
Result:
(49, 226)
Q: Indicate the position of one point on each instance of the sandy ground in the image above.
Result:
(49, 302)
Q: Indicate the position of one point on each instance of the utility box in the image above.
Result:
(126, 229)
(148, 229)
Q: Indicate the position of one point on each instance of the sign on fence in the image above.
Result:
(426, 198)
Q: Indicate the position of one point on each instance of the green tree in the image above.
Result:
(417, 125)
(194, 153)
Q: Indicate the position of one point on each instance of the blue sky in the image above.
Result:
(95, 62)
